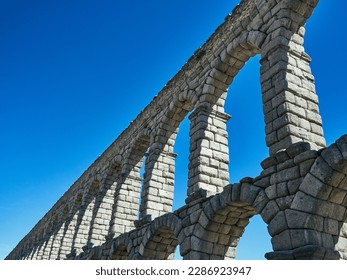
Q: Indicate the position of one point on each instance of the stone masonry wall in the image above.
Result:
(300, 194)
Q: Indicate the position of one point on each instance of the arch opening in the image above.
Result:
(181, 148)
(255, 242)
(159, 182)
(224, 230)
(223, 221)
(247, 120)
(127, 192)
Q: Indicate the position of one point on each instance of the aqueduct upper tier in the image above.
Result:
(301, 194)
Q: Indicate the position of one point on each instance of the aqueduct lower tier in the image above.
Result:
(301, 194)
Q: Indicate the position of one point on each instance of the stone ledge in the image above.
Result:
(309, 252)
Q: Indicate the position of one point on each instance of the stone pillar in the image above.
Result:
(48, 247)
(102, 212)
(32, 255)
(56, 244)
(41, 248)
(125, 210)
(158, 187)
(209, 152)
(69, 229)
(290, 102)
(83, 225)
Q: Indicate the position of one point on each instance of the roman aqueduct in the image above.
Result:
(301, 193)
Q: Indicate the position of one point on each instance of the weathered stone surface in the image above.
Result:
(268, 162)
(270, 211)
(298, 148)
(277, 224)
(331, 226)
(301, 192)
(298, 219)
(314, 187)
(342, 145)
(282, 241)
(261, 201)
(334, 158)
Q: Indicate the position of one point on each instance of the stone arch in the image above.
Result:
(35, 244)
(101, 212)
(114, 166)
(48, 237)
(222, 221)
(61, 232)
(38, 244)
(56, 231)
(307, 219)
(68, 239)
(45, 237)
(31, 250)
(228, 64)
(47, 241)
(209, 151)
(113, 174)
(178, 109)
(161, 238)
(158, 187)
(85, 215)
(127, 192)
(104, 203)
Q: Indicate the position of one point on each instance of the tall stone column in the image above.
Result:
(70, 227)
(48, 247)
(290, 102)
(209, 152)
(102, 212)
(83, 225)
(56, 244)
(158, 187)
(126, 205)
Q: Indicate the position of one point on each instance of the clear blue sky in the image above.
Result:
(74, 74)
